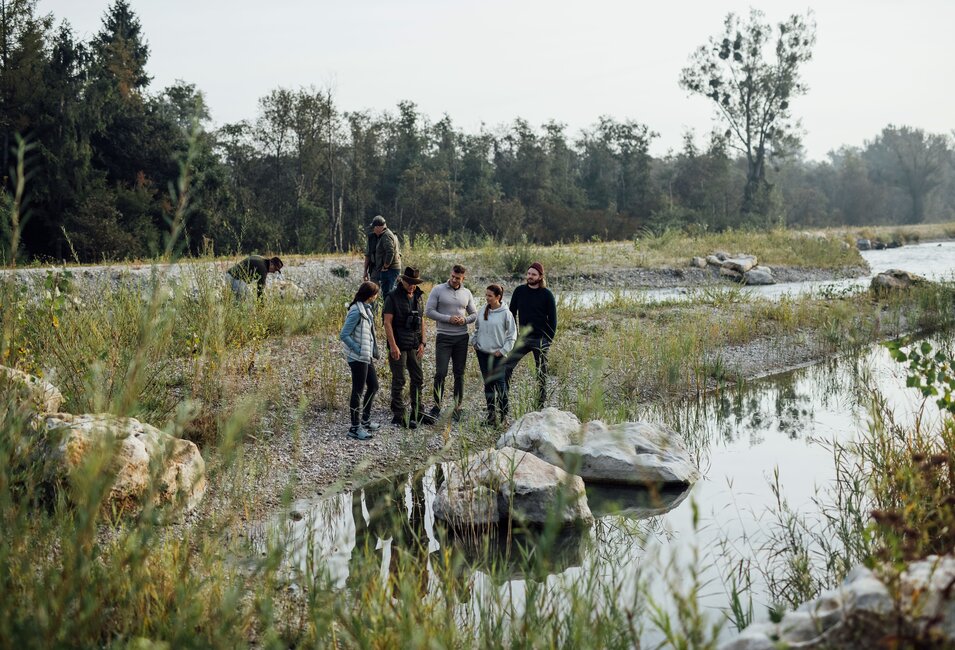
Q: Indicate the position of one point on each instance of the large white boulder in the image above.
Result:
(759, 276)
(285, 290)
(131, 447)
(740, 263)
(629, 453)
(41, 396)
(496, 485)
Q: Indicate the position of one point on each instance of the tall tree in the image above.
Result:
(751, 74)
(912, 160)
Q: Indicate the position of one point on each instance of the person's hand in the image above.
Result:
(457, 320)
(365, 277)
(395, 352)
(420, 350)
(498, 354)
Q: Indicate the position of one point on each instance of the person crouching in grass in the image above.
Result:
(358, 335)
(495, 334)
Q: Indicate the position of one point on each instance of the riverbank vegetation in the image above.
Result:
(242, 379)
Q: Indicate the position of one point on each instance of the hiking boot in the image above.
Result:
(427, 418)
(359, 433)
(457, 414)
(435, 412)
(490, 420)
(370, 426)
(400, 421)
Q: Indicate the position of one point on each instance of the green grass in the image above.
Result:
(73, 574)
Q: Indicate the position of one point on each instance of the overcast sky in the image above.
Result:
(876, 61)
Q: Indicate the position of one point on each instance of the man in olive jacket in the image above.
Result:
(382, 256)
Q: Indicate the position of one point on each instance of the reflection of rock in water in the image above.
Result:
(518, 555)
(635, 503)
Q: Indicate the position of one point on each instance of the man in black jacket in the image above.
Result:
(535, 311)
(404, 327)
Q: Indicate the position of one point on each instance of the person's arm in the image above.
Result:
(351, 321)
(431, 307)
(471, 310)
(388, 256)
(474, 334)
(510, 333)
(552, 317)
(390, 335)
(421, 345)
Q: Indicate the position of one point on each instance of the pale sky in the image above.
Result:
(876, 61)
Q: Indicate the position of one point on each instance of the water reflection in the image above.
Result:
(745, 438)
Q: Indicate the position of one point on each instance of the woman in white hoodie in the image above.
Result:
(495, 333)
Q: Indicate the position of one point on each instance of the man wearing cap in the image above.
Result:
(535, 311)
(382, 256)
(404, 327)
(254, 268)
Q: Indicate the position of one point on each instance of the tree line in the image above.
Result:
(93, 158)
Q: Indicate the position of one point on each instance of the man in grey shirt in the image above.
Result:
(451, 305)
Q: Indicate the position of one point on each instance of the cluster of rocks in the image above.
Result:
(742, 268)
(864, 244)
(862, 612)
(539, 469)
(146, 464)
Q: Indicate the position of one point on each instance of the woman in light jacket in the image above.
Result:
(358, 335)
(495, 333)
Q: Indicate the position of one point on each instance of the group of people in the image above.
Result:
(502, 335)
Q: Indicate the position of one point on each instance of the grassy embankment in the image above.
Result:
(70, 573)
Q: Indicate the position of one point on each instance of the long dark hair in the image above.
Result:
(365, 291)
(498, 291)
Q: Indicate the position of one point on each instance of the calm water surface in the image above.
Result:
(741, 440)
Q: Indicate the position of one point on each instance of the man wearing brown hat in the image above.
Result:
(404, 327)
(382, 255)
(535, 311)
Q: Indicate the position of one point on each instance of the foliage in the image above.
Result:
(752, 90)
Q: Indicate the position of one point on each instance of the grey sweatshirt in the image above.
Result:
(445, 302)
(497, 333)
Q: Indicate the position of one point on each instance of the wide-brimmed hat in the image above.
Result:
(411, 275)
(378, 221)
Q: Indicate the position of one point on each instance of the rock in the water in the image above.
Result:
(895, 279)
(500, 484)
(863, 244)
(543, 433)
(630, 453)
(731, 274)
(927, 596)
(41, 396)
(698, 263)
(759, 276)
(740, 263)
(134, 445)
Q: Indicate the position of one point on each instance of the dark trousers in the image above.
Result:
(451, 348)
(408, 359)
(495, 385)
(364, 378)
(539, 347)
